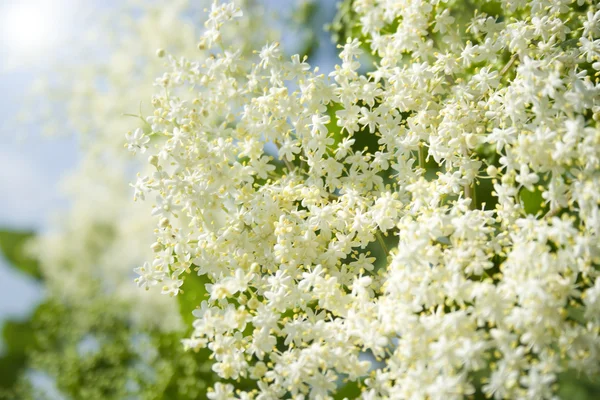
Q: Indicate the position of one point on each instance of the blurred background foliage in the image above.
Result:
(90, 349)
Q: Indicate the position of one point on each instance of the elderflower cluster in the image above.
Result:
(263, 188)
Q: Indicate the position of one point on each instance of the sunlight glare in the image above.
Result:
(31, 27)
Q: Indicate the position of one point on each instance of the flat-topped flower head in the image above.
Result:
(412, 228)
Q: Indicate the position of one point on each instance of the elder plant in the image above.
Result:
(479, 181)
(95, 336)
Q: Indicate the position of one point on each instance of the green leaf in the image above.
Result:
(483, 190)
(12, 245)
(533, 202)
(577, 386)
(17, 337)
(334, 130)
(193, 292)
(350, 390)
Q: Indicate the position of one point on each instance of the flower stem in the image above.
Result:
(382, 243)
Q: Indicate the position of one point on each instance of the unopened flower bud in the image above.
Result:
(153, 160)
(156, 247)
(471, 140)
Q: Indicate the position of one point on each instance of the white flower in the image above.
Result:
(221, 392)
(137, 141)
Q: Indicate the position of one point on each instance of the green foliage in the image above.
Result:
(16, 334)
(97, 352)
(192, 294)
(533, 202)
(17, 337)
(350, 390)
(13, 247)
(574, 386)
(93, 350)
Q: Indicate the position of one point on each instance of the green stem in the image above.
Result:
(421, 156)
(508, 64)
(382, 243)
